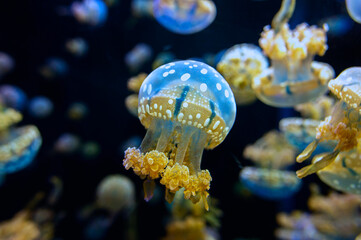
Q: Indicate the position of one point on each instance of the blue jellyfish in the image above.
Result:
(40, 107)
(354, 9)
(77, 46)
(184, 17)
(54, 67)
(67, 143)
(187, 106)
(139, 55)
(92, 12)
(13, 97)
(77, 111)
(7, 63)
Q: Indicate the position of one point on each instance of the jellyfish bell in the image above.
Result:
(184, 17)
(54, 67)
(239, 65)
(40, 107)
(186, 106)
(7, 63)
(13, 97)
(354, 10)
(77, 46)
(92, 12)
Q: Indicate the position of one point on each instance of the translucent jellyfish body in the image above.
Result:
(317, 109)
(186, 106)
(40, 107)
(13, 97)
(184, 17)
(92, 12)
(270, 183)
(293, 77)
(342, 126)
(301, 132)
(19, 227)
(7, 63)
(67, 143)
(134, 84)
(18, 147)
(54, 67)
(77, 111)
(77, 46)
(115, 193)
(354, 10)
(239, 65)
(139, 55)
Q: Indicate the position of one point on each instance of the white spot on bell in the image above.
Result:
(226, 93)
(185, 77)
(219, 86)
(149, 88)
(165, 74)
(203, 87)
(204, 71)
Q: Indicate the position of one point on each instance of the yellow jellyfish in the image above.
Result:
(186, 106)
(343, 125)
(134, 84)
(20, 227)
(293, 77)
(318, 109)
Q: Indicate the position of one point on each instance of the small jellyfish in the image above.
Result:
(90, 149)
(141, 8)
(20, 227)
(8, 117)
(77, 111)
(139, 55)
(92, 12)
(131, 103)
(188, 228)
(354, 9)
(186, 106)
(19, 145)
(342, 126)
(77, 46)
(67, 143)
(7, 63)
(184, 17)
(318, 109)
(293, 77)
(239, 65)
(134, 84)
(40, 107)
(53, 68)
(163, 58)
(116, 193)
(13, 97)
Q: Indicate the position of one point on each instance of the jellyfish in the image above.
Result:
(131, 103)
(239, 65)
(90, 149)
(293, 77)
(141, 8)
(342, 126)
(268, 180)
(163, 58)
(184, 17)
(354, 10)
(186, 106)
(54, 67)
(318, 109)
(337, 25)
(115, 193)
(67, 143)
(40, 107)
(19, 227)
(300, 132)
(77, 111)
(13, 97)
(7, 63)
(92, 12)
(139, 55)
(134, 84)
(77, 47)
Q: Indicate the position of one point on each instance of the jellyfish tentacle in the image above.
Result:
(184, 142)
(151, 137)
(284, 14)
(308, 151)
(165, 136)
(196, 151)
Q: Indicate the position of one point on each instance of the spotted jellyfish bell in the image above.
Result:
(186, 106)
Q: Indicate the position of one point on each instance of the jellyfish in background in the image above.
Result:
(271, 154)
(77, 111)
(92, 12)
(354, 10)
(239, 65)
(13, 97)
(337, 25)
(7, 63)
(19, 227)
(186, 106)
(67, 143)
(163, 58)
(293, 77)
(141, 8)
(184, 17)
(318, 109)
(134, 84)
(139, 55)
(90, 149)
(77, 47)
(53, 68)
(40, 107)
(342, 126)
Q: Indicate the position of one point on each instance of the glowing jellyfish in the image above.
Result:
(7, 63)
(116, 193)
(354, 10)
(141, 8)
(92, 12)
(40, 107)
(293, 77)
(77, 111)
(77, 46)
(239, 65)
(301, 132)
(184, 17)
(186, 106)
(342, 126)
(139, 55)
(318, 109)
(13, 97)
(53, 68)
(67, 143)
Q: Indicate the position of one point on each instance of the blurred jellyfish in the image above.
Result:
(186, 107)
(111, 3)
(139, 55)
(90, 149)
(141, 8)
(53, 68)
(239, 65)
(131, 101)
(184, 17)
(77, 46)
(163, 58)
(19, 227)
(13, 97)
(7, 63)
(337, 25)
(354, 9)
(92, 12)
(97, 228)
(77, 111)
(67, 143)
(116, 193)
(293, 77)
(40, 107)
(318, 109)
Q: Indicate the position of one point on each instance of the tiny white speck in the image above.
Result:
(155, 106)
(185, 77)
(204, 71)
(172, 64)
(190, 67)
(198, 116)
(170, 101)
(167, 67)
(226, 93)
(195, 65)
(149, 88)
(145, 88)
(186, 63)
(172, 71)
(216, 75)
(219, 86)
(185, 104)
(165, 74)
(203, 87)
